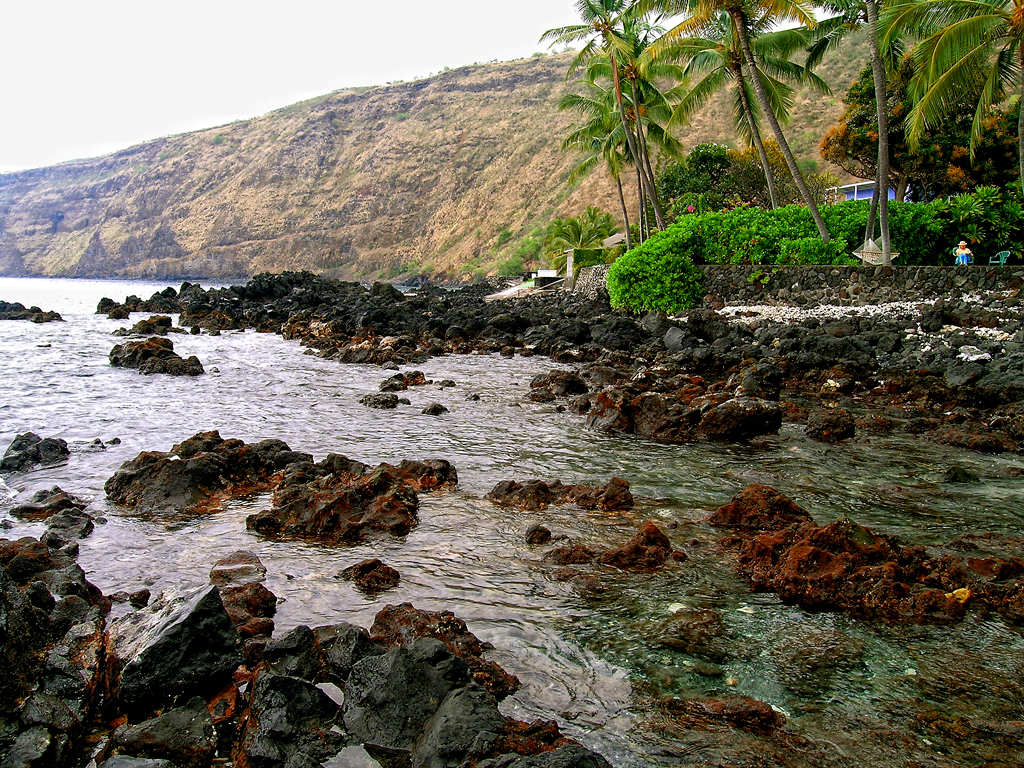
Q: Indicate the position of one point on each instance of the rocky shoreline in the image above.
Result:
(199, 678)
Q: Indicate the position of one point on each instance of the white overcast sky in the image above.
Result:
(85, 78)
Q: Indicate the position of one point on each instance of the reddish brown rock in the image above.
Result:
(537, 494)
(830, 425)
(741, 418)
(313, 501)
(981, 440)
(844, 566)
(644, 552)
(746, 713)
(372, 575)
(398, 625)
(199, 471)
(571, 554)
(759, 507)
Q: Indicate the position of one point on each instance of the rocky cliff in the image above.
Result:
(439, 176)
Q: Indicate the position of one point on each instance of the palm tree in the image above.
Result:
(852, 14)
(716, 61)
(607, 27)
(964, 41)
(586, 232)
(649, 107)
(701, 15)
(601, 138)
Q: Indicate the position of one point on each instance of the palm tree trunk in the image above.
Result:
(1020, 118)
(646, 184)
(641, 212)
(882, 182)
(869, 230)
(739, 19)
(642, 141)
(756, 135)
(625, 213)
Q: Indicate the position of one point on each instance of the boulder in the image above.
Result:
(372, 575)
(466, 726)
(183, 735)
(181, 645)
(46, 503)
(380, 400)
(646, 551)
(759, 507)
(201, 470)
(389, 698)
(29, 450)
(398, 625)
(312, 501)
(741, 418)
(296, 654)
(830, 425)
(287, 719)
(343, 645)
(698, 632)
(154, 355)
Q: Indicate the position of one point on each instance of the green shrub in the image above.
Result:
(512, 267)
(810, 250)
(658, 275)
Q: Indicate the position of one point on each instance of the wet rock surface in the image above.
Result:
(713, 373)
(537, 494)
(165, 685)
(198, 471)
(30, 450)
(155, 355)
(845, 566)
(18, 311)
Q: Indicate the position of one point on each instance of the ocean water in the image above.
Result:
(854, 692)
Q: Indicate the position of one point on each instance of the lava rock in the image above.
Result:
(154, 355)
(372, 575)
(180, 645)
(29, 450)
(830, 425)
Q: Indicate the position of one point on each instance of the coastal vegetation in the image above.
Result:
(935, 114)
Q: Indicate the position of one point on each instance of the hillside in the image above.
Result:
(439, 176)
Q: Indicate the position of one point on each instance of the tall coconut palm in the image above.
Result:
(607, 27)
(649, 105)
(700, 15)
(850, 15)
(961, 41)
(600, 138)
(715, 61)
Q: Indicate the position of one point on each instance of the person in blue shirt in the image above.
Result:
(963, 254)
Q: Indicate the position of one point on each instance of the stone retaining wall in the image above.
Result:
(748, 284)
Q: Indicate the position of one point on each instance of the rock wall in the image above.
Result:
(801, 285)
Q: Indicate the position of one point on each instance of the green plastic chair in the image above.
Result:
(1000, 258)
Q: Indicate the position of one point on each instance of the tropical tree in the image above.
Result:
(650, 105)
(701, 15)
(851, 15)
(961, 41)
(714, 61)
(578, 233)
(601, 138)
(610, 27)
(942, 165)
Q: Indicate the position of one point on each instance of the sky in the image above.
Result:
(84, 79)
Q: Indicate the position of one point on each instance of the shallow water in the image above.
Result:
(582, 649)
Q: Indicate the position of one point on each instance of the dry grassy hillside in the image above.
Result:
(443, 176)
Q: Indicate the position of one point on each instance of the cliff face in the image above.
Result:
(440, 176)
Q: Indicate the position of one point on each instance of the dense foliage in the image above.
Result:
(714, 177)
(942, 164)
(662, 273)
(657, 275)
